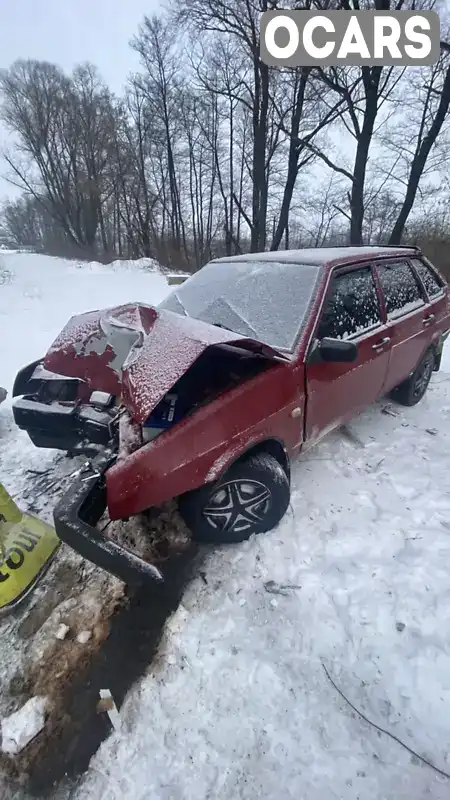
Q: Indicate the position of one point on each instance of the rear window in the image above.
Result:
(433, 284)
(401, 289)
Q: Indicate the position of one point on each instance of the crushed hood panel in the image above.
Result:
(137, 352)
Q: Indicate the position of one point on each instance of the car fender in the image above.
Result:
(237, 451)
(196, 450)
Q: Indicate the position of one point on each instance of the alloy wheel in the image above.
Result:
(238, 505)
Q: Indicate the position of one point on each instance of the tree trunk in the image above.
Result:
(259, 201)
(371, 79)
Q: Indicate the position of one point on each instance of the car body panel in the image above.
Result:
(409, 340)
(408, 337)
(412, 333)
(337, 392)
(201, 447)
(137, 352)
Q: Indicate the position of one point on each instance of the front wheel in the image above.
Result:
(252, 497)
(413, 389)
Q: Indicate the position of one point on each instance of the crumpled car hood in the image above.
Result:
(137, 352)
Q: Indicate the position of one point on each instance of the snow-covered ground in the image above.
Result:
(237, 704)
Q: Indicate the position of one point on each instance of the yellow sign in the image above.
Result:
(27, 546)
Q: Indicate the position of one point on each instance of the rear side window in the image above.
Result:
(430, 280)
(401, 289)
(352, 306)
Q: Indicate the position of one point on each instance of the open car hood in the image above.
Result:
(137, 352)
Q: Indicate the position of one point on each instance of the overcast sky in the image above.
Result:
(68, 32)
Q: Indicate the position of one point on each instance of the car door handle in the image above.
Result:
(381, 343)
(427, 320)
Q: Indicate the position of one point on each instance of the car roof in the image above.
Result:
(320, 256)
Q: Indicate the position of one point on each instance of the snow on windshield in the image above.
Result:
(267, 301)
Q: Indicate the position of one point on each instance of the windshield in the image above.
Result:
(264, 300)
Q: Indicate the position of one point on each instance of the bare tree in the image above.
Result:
(161, 83)
(64, 128)
(239, 19)
(210, 152)
(365, 91)
(434, 99)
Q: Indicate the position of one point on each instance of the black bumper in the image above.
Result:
(76, 516)
(62, 427)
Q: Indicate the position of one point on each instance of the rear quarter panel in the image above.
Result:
(200, 448)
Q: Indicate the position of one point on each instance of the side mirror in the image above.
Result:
(338, 351)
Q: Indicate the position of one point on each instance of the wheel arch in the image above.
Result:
(271, 445)
(430, 348)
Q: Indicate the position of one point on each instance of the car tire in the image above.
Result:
(251, 497)
(413, 389)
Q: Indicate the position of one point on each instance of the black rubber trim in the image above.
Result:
(75, 517)
(23, 377)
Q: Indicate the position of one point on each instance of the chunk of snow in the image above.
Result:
(62, 631)
(22, 726)
(111, 708)
(83, 637)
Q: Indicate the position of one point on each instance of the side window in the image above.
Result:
(401, 289)
(432, 282)
(352, 306)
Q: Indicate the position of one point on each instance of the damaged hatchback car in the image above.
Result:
(209, 396)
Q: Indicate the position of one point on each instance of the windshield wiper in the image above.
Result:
(181, 304)
(225, 327)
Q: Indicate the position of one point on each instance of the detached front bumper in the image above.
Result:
(75, 518)
(62, 427)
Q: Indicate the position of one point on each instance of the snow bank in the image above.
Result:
(41, 293)
(145, 264)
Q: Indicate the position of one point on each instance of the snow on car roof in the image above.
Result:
(318, 255)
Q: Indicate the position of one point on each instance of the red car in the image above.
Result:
(209, 396)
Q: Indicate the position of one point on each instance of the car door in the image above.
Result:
(336, 392)
(407, 311)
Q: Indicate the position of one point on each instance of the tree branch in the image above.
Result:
(383, 730)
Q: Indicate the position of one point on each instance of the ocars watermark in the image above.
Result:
(316, 38)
